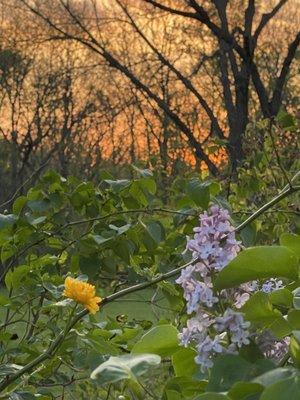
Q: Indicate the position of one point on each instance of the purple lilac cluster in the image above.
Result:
(213, 246)
(214, 240)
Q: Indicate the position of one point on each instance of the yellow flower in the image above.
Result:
(83, 293)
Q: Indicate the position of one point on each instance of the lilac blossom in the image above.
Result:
(271, 285)
(213, 246)
(195, 291)
(271, 347)
(196, 329)
(214, 240)
(241, 299)
(234, 322)
(206, 349)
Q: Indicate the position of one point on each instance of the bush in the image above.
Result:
(214, 316)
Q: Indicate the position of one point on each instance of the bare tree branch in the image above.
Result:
(281, 80)
(266, 19)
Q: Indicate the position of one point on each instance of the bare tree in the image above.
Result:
(235, 49)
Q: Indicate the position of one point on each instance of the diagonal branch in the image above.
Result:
(266, 18)
(280, 82)
(172, 10)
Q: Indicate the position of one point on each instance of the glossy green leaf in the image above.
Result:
(278, 374)
(287, 389)
(258, 263)
(7, 220)
(185, 386)
(281, 297)
(161, 340)
(199, 192)
(291, 241)
(229, 369)
(294, 319)
(183, 362)
(259, 311)
(124, 367)
(242, 390)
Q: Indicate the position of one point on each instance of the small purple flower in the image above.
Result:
(206, 244)
(271, 285)
(241, 299)
(237, 326)
(196, 329)
(206, 350)
(271, 347)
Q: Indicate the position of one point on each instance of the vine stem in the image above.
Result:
(54, 346)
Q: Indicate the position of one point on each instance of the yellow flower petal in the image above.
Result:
(83, 293)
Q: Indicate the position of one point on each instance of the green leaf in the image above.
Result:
(7, 220)
(285, 119)
(100, 239)
(281, 297)
(63, 303)
(155, 230)
(37, 221)
(258, 263)
(89, 265)
(172, 395)
(199, 192)
(19, 204)
(241, 390)
(6, 369)
(291, 241)
(144, 173)
(294, 319)
(183, 362)
(259, 310)
(161, 340)
(295, 348)
(4, 300)
(118, 185)
(15, 278)
(185, 386)
(148, 184)
(137, 192)
(229, 369)
(124, 367)
(248, 235)
(287, 389)
(271, 377)
(39, 205)
(120, 229)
